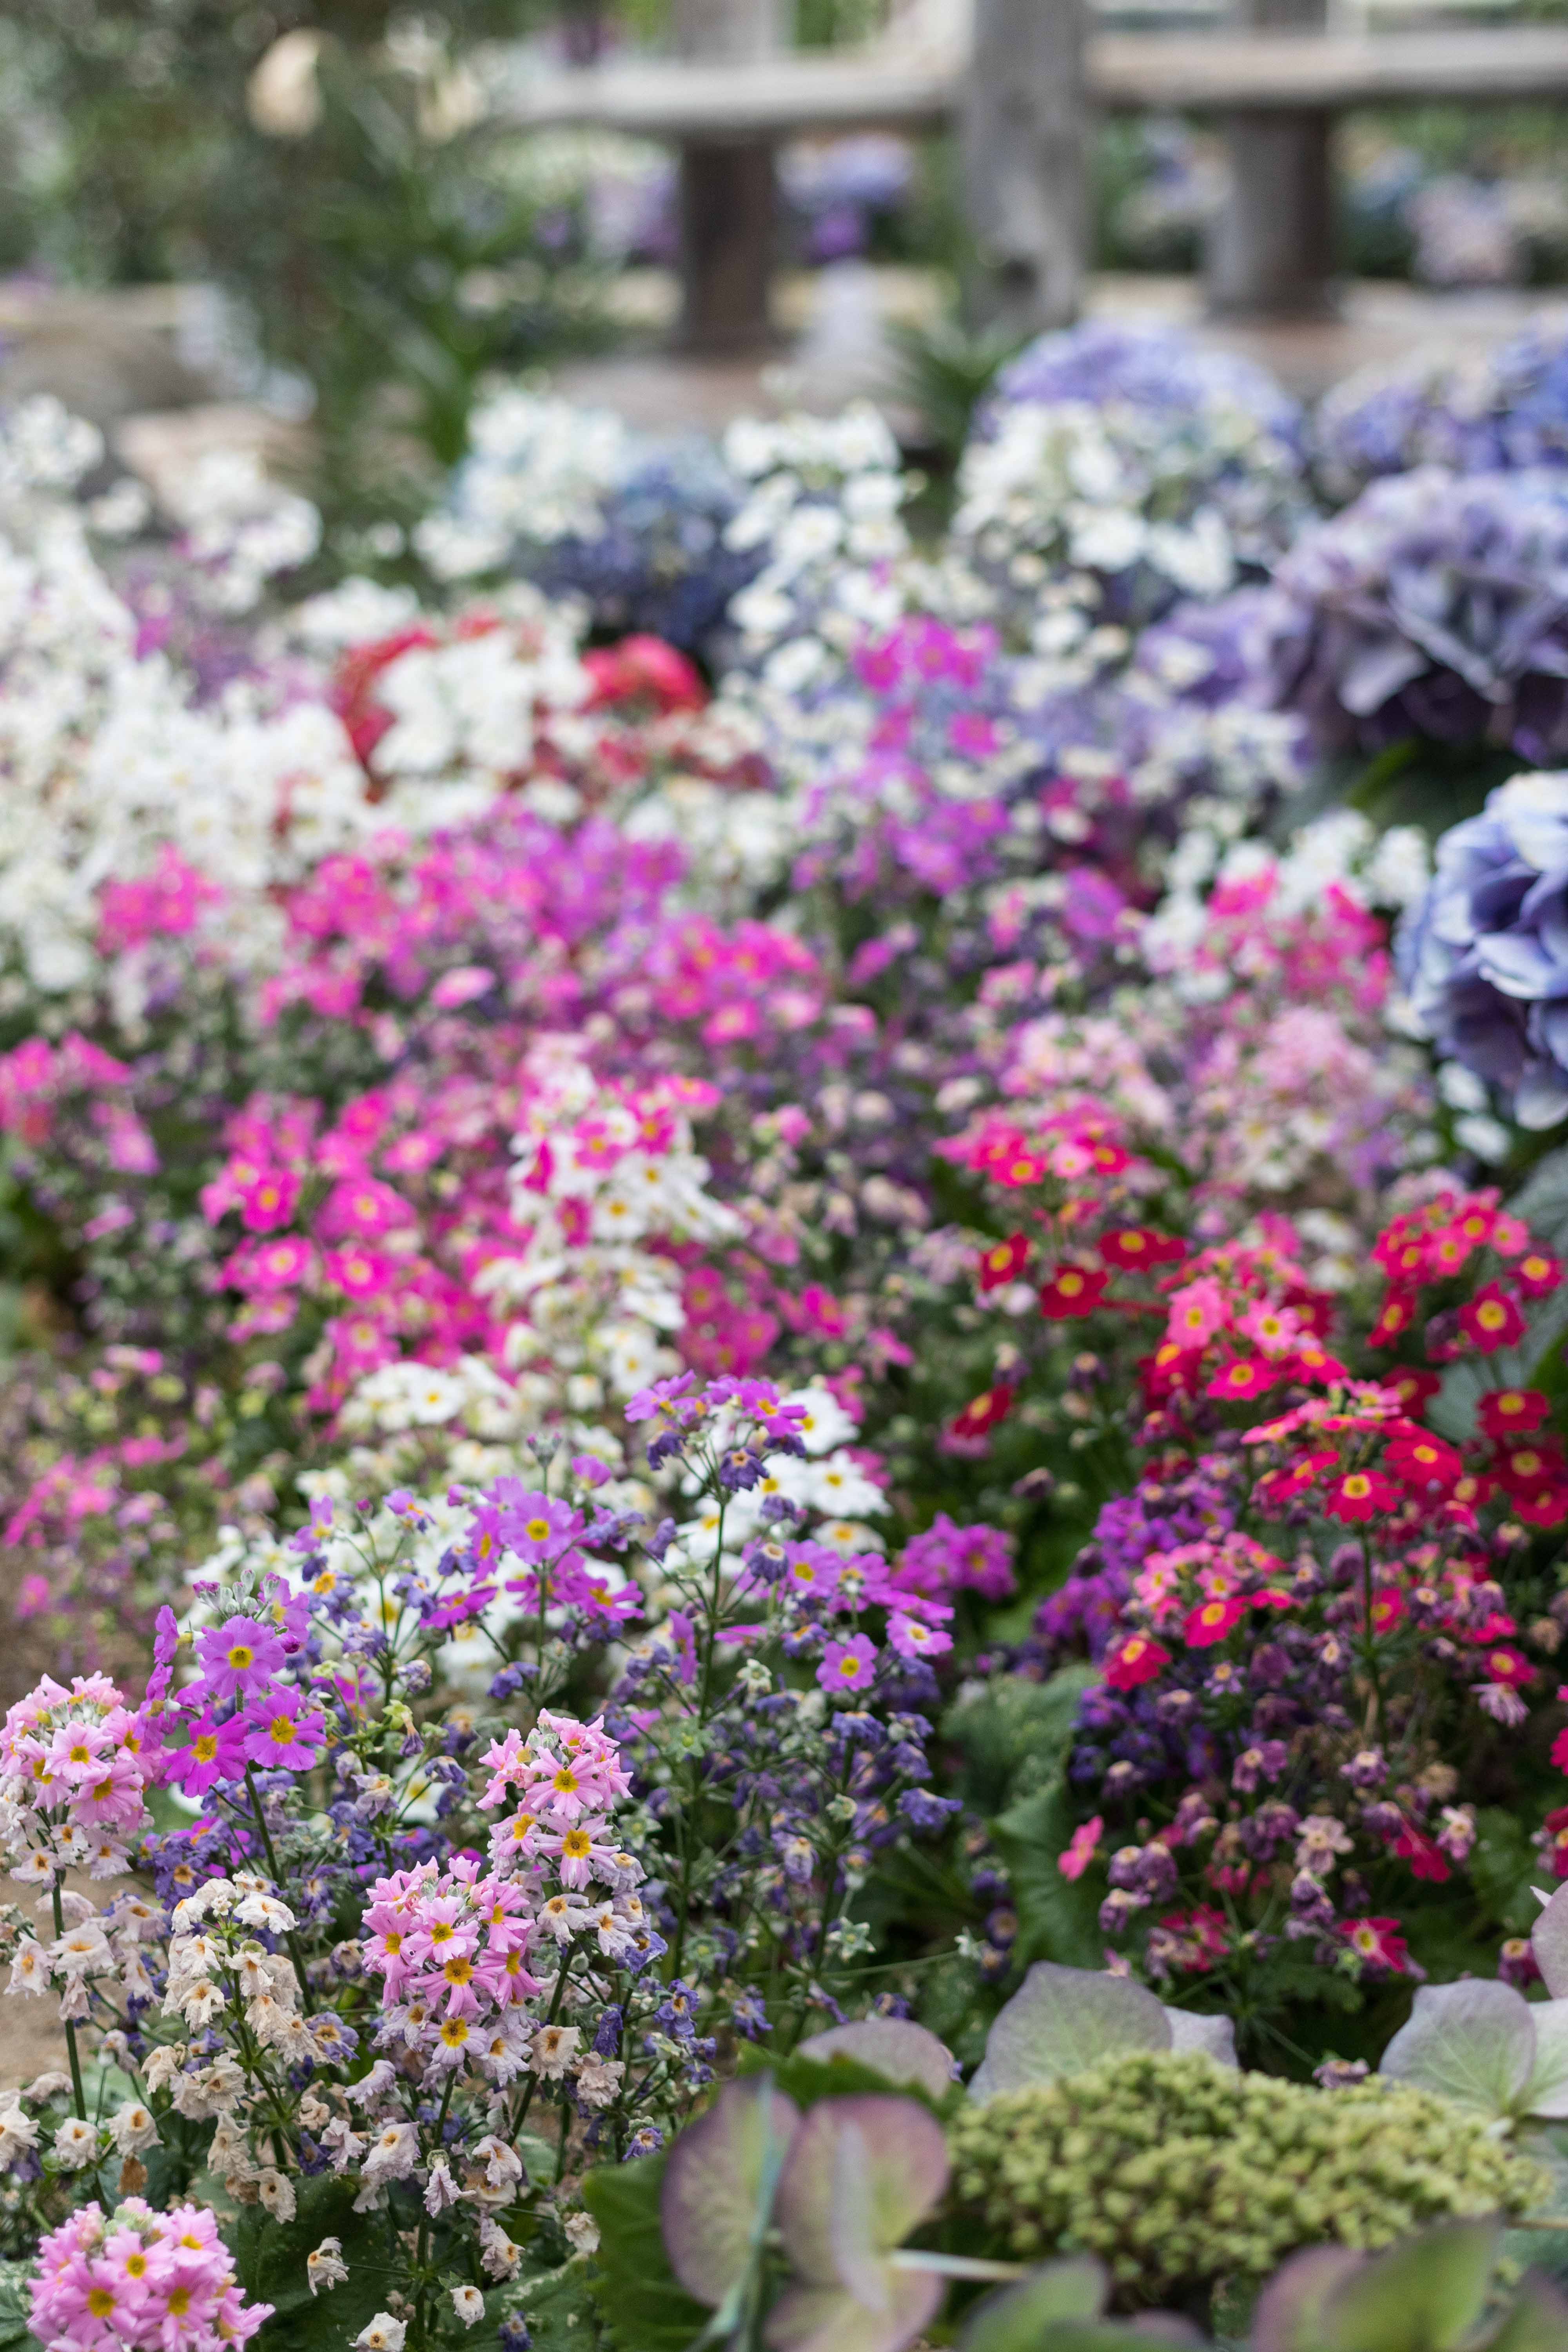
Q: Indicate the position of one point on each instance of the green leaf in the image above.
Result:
(558, 2306)
(719, 2186)
(1061, 2021)
(269, 2257)
(1424, 2295)
(640, 2300)
(1016, 2319)
(806, 2079)
(1473, 2043)
(16, 2335)
(1538, 2322)
(1059, 1918)
(1543, 1200)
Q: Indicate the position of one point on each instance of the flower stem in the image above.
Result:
(77, 2094)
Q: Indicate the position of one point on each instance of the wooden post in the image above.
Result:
(727, 189)
(1271, 252)
(1024, 164)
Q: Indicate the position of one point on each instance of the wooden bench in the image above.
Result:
(1277, 89)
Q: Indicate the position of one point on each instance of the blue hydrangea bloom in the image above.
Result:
(1483, 414)
(1484, 955)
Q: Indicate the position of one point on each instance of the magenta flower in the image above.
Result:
(268, 1200)
(278, 1734)
(239, 1656)
(847, 1665)
(914, 1639)
(212, 1753)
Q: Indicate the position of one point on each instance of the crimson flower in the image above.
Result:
(1140, 1659)
(981, 1415)
(1248, 1376)
(1073, 1290)
(1360, 1494)
(1395, 1315)
(1492, 1320)
(1211, 1621)
(1512, 1413)
(1004, 1262)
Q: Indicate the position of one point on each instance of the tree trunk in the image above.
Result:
(1271, 251)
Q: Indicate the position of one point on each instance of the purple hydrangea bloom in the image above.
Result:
(1154, 368)
(1436, 605)
(1483, 954)
(1477, 415)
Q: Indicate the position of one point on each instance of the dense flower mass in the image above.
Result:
(772, 1279)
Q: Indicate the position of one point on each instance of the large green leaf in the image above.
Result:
(1059, 1918)
(269, 2257)
(1061, 2021)
(558, 2306)
(1538, 2322)
(15, 2334)
(1424, 2295)
(1016, 2319)
(640, 2300)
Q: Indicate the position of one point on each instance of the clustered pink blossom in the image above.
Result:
(138, 2281)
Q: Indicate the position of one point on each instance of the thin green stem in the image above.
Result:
(77, 2094)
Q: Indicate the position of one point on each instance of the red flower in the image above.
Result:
(1556, 1824)
(1509, 1667)
(1492, 1320)
(1538, 1273)
(1130, 1247)
(1387, 1608)
(1170, 1367)
(979, 1418)
(1527, 1469)
(1425, 1859)
(1379, 1944)
(1073, 1290)
(1411, 1388)
(1424, 1465)
(1109, 1158)
(1211, 1621)
(1548, 1509)
(1312, 1361)
(1248, 1376)
(1512, 1413)
(1004, 1263)
(1138, 1660)
(1395, 1315)
(1360, 1494)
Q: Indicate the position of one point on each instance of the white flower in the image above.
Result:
(441, 2189)
(468, 2304)
(584, 2232)
(498, 2254)
(75, 2144)
(555, 2050)
(382, 2334)
(265, 1911)
(29, 1967)
(133, 2127)
(17, 2130)
(393, 2154)
(276, 2192)
(325, 2267)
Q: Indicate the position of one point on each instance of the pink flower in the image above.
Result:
(1198, 1311)
(239, 1656)
(361, 1206)
(1078, 1853)
(269, 1200)
(847, 1665)
(1211, 1621)
(362, 1273)
(912, 1639)
(279, 1734)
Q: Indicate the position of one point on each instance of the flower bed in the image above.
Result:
(785, 1465)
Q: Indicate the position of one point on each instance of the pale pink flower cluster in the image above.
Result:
(75, 1775)
(450, 1947)
(140, 2278)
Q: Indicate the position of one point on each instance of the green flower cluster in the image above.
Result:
(1177, 2171)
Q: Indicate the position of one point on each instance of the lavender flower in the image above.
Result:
(1477, 414)
(1434, 606)
(1484, 955)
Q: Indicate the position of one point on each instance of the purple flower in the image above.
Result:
(238, 1657)
(1484, 955)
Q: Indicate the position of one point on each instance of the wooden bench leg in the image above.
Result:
(1271, 252)
(727, 228)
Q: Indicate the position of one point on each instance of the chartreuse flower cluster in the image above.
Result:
(1177, 2171)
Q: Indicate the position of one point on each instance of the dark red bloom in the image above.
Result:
(1395, 1315)
(1360, 1494)
(1512, 1413)
(1492, 1320)
(981, 1415)
(1073, 1290)
(1004, 1262)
